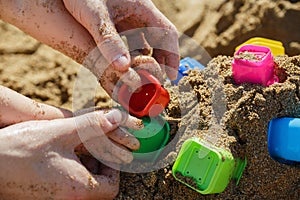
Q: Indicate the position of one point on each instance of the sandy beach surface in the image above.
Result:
(206, 104)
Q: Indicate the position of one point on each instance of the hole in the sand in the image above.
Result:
(197, 151)
(187, 172)
(208, 158)
(281, 6)
(240, 139)
(199, 179)
(280, 73)
(295, 61)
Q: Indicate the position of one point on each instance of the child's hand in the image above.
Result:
(37, 158)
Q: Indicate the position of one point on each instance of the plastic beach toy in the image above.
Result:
(185, 65)
(284, 140)
(153, 137)
(149, 100)
(206, 168)
(254, 64)
(275, 46)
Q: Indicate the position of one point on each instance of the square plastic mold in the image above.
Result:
(185, 65)
(257, 71)
(149, 100)
(205, 168)
(284, 140)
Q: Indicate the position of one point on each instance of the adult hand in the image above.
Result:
(37, 158)
(106, 19)
(77, 27)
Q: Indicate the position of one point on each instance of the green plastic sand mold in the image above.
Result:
(153, 137)
(206, 168)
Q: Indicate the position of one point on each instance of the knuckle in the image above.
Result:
(124, 117)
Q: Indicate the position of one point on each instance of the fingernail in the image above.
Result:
(121, 63)
(135, 144)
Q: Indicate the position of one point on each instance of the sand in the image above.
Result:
(207, 104)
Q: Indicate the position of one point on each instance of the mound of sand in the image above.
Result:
(221, 25)
(45, 75)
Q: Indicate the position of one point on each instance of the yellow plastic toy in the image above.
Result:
(275, 46)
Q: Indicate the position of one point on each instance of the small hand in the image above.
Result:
(37, 158)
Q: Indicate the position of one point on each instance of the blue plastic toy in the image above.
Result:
(185, 65)
(284, 140)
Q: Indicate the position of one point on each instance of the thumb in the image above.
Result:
(112, 46)
(94, 16)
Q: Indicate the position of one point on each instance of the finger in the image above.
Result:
(91, 163)
(160, 59)
(109, 180)
(66, 133)
(82, 152)
(149, 64)
(106, 75)
(115, 116)
(165, 49)
(98, 120)
(92, 138)
(123, 137)
(112, 80)
(86, 110)
(163, 37)
(94, 16)
(133, 122)
(132, 79)
(83, 128)
(88, 185)
(109, 81)
(124, 119)
(137, 43)
(167, 61)
(100, 149)
(91, 129)
(122, 153)
(160, 33)
(106, 150)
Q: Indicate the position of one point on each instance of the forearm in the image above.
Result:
(15, 108)
(51, 24)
